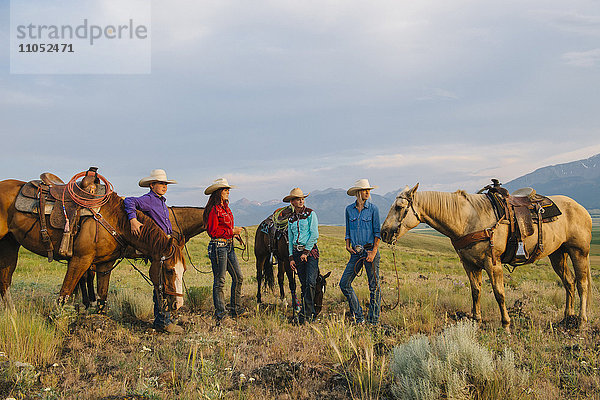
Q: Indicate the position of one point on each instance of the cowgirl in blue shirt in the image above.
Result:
(362, 242)
(303, 232)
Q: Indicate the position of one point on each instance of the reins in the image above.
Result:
(185, 246)
(360, 262)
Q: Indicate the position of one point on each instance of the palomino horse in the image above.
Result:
(186, 222)
(264, 247)
(93, 245)
(457, 214)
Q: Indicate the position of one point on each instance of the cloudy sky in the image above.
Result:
(316, 94)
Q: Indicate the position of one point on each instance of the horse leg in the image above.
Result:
(280, 278)
(581, 266)
(292, 284)
(82, 285)
(497, 278)
(260, 260)
(558, 259)
(75, 270)
(474, 274)
(103, 279)
(9, 253)
(90, 286)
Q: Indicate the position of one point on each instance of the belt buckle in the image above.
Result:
(220, 242)
(299, 247)
(358, 248)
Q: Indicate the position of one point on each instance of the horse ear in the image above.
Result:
(413, 190)
(327, 275)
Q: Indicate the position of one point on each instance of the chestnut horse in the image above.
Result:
(186, 222)
(457, 214)
(92, 245)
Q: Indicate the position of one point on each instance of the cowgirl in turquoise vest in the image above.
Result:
(303, 233)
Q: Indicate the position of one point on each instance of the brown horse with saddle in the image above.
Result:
(186, 222)
(490, 229)
(85, 232)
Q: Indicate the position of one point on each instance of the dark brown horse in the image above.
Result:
(320, 289)
(186, 222)
(268, 246)
(92, 245)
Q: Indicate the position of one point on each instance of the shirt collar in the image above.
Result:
(366, 205)
(161, 198)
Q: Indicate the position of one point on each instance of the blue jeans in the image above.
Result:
(352, 269)
(224, 259)
(308, 271)
(162, 317)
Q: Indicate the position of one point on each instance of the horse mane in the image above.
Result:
(452, 202)
(151, 235)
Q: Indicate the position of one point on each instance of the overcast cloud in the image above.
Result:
(316, 94)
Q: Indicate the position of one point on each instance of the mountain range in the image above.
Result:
(578, 179)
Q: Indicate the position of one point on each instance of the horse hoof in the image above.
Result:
(101, 308)
(62, 300)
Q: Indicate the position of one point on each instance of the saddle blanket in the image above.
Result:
(28, 202)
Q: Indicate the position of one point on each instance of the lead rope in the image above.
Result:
(185, 246)
(244, 243)
(362, 260)
(397, 277)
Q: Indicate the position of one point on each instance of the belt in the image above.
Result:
(221, 241)
(358, 248)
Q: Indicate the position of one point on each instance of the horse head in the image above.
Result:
(167, 272)
(320, 288)
(402, 216)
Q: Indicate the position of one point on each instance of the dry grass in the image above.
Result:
(27, 337)
(263, 355)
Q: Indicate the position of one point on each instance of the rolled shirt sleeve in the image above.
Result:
(347, 224)
(313, 226)
(132, 204)
(376, 225)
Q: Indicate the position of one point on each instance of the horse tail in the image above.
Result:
(268, 273)
(589, 272)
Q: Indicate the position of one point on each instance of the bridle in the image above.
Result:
(161, 283)
(405, 213)
(161, 287)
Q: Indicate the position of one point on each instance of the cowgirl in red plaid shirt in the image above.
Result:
(220, 228)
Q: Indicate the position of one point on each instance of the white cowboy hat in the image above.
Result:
(157, 175)
(360, 184)
(219, 183)
(294, 193)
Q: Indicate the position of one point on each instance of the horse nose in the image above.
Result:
(384, 235)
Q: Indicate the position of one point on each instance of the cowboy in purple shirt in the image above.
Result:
(153, 204)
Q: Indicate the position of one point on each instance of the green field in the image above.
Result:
(119, 354)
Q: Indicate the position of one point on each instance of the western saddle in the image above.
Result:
(275, 227)
(520, 210)
(49, 195)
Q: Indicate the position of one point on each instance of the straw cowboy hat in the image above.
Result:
(220, 183)
(157, 175)
(360, 184)
(294, 194)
